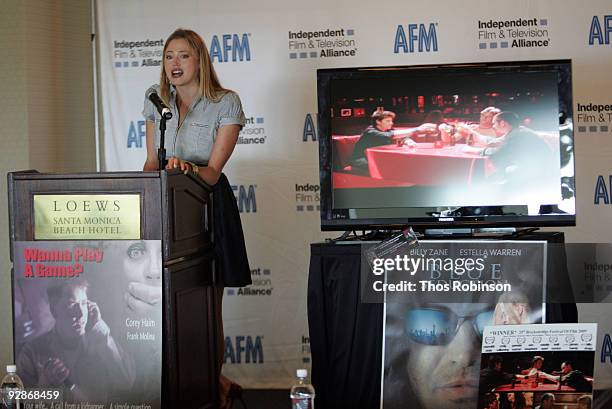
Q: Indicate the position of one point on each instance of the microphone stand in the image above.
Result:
(161, 152)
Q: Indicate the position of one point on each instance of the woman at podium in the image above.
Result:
(200, 138)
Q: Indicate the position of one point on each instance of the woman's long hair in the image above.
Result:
(209, 84)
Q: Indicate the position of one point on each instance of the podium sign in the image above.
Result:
(83, 217)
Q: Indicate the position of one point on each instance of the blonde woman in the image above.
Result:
(200, 138)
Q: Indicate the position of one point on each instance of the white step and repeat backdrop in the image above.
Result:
(261, 49)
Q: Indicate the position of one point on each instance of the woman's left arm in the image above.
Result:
(230, 121)
(224, 145)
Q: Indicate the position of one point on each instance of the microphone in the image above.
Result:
(163, 110)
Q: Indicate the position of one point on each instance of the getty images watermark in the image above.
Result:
(453, 271)
(464, 274)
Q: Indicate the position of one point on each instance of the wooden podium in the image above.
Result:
(176, 209)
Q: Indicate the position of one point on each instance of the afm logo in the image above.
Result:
(600, 32)
(136, 133)
(230, 47)
(419, 36)
(245, 198)
(606, 349)
(603, 192)
(241, 346)
(309, 132)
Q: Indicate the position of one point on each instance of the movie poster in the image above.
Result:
(433, 329)
(88, 320)
(537, 366)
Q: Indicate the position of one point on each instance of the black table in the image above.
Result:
(346, 335)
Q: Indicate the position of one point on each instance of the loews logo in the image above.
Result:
(309, 133)
(245, 198)
(262, 284)
(244, 349)
(136, 134)
(253, 132)
(416, 37)
(600, 31)
(603, 191)
(230, 47)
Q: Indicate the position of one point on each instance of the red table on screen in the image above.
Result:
(526, 387)
(344, 147)
(426, 165)
(342, 180)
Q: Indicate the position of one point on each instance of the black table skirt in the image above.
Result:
(346, 336)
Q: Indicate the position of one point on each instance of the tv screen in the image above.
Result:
(457, 145)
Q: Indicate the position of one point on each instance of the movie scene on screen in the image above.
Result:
(487, 143)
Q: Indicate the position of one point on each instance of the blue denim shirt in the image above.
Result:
(193, 141)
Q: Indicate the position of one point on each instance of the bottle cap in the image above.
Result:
(11, 368)
(302, 373)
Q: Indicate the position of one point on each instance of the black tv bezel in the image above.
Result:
(331, 223)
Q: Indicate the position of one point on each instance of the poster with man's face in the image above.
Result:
(88, 319)
(431, 357)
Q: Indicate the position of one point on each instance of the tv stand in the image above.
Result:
(455, 233)
(448, 232)
(493, 232)
(362, 235)
(374, 235)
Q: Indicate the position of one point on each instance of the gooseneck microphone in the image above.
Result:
(162, 108)
(165, 113)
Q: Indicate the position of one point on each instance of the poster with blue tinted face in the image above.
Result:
(432, 335)
(88, 318)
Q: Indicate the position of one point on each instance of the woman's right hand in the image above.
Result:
(177, 163)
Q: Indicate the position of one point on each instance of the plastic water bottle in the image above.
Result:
(10, 382)
(302, 393)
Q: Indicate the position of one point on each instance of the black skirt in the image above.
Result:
(231, 262)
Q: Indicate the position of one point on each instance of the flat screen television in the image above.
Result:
(445, 146)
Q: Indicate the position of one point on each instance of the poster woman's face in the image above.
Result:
(142, 262)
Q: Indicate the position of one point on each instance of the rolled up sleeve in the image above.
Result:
(231, 112)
